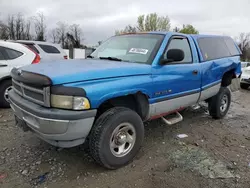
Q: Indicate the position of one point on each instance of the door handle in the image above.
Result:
(195, 72)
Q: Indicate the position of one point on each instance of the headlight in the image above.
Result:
(245, 71)
(69, 102)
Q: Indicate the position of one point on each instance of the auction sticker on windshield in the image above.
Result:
(138, 51)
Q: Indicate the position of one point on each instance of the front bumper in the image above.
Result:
(61, 128)
(245, 78)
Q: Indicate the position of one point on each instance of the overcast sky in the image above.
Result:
(100, 18)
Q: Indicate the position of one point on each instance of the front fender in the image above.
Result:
(99, 91)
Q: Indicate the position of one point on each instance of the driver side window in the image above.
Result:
(182, 44)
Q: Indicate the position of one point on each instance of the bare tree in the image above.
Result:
(127, 29)
(244, 45)
(176, 29)
(11, 27)
(61, 32)
(75, 35)
(19, 27)
(53, 35)
(4, 34)
(27, 32)
(40, 27)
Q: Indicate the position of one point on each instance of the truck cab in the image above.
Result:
(103, 100)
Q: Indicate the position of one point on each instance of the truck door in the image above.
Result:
(176, 84)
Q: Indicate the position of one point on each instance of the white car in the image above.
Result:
(245, 77)
(47, 51)
(13, 55)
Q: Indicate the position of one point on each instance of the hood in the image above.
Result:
(66, 71)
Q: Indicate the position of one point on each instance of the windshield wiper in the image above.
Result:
(90, 56)
(111, 58)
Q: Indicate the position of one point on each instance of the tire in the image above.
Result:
(3, 86)
(244, 86)
(218, 105)
(107, 132)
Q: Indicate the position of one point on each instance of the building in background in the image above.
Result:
(78, 53)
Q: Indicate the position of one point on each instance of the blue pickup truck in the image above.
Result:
(129, 79)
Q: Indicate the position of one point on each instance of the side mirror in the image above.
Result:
(173, 55)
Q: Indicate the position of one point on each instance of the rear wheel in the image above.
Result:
(116, 137)
(219, 104)
(4, 87)
(244, 86)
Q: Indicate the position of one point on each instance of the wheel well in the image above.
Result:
(4, 79)
(137, 102)
(227, 78)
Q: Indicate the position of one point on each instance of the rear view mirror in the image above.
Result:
(173, 55)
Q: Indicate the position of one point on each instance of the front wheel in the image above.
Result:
(219, 104)
(116, 137)
(5, 86)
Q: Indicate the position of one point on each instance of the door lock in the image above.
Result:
(195, 72)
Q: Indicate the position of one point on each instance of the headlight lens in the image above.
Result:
(80, 103)
(69, 102)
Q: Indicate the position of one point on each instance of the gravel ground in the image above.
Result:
(215, 154)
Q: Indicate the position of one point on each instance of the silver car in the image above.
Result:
(245, 77)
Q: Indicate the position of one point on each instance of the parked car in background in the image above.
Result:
(244, 64)
(245, 77)
(47, 51)
(13, 55)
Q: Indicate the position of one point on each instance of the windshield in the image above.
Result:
(140, 48)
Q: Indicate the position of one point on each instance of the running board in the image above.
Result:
(178, 118)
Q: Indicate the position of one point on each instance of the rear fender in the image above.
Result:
(235, 67)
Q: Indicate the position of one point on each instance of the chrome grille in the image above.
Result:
(35, 94)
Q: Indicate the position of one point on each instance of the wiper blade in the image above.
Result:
(90, 56)
(111, 58)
